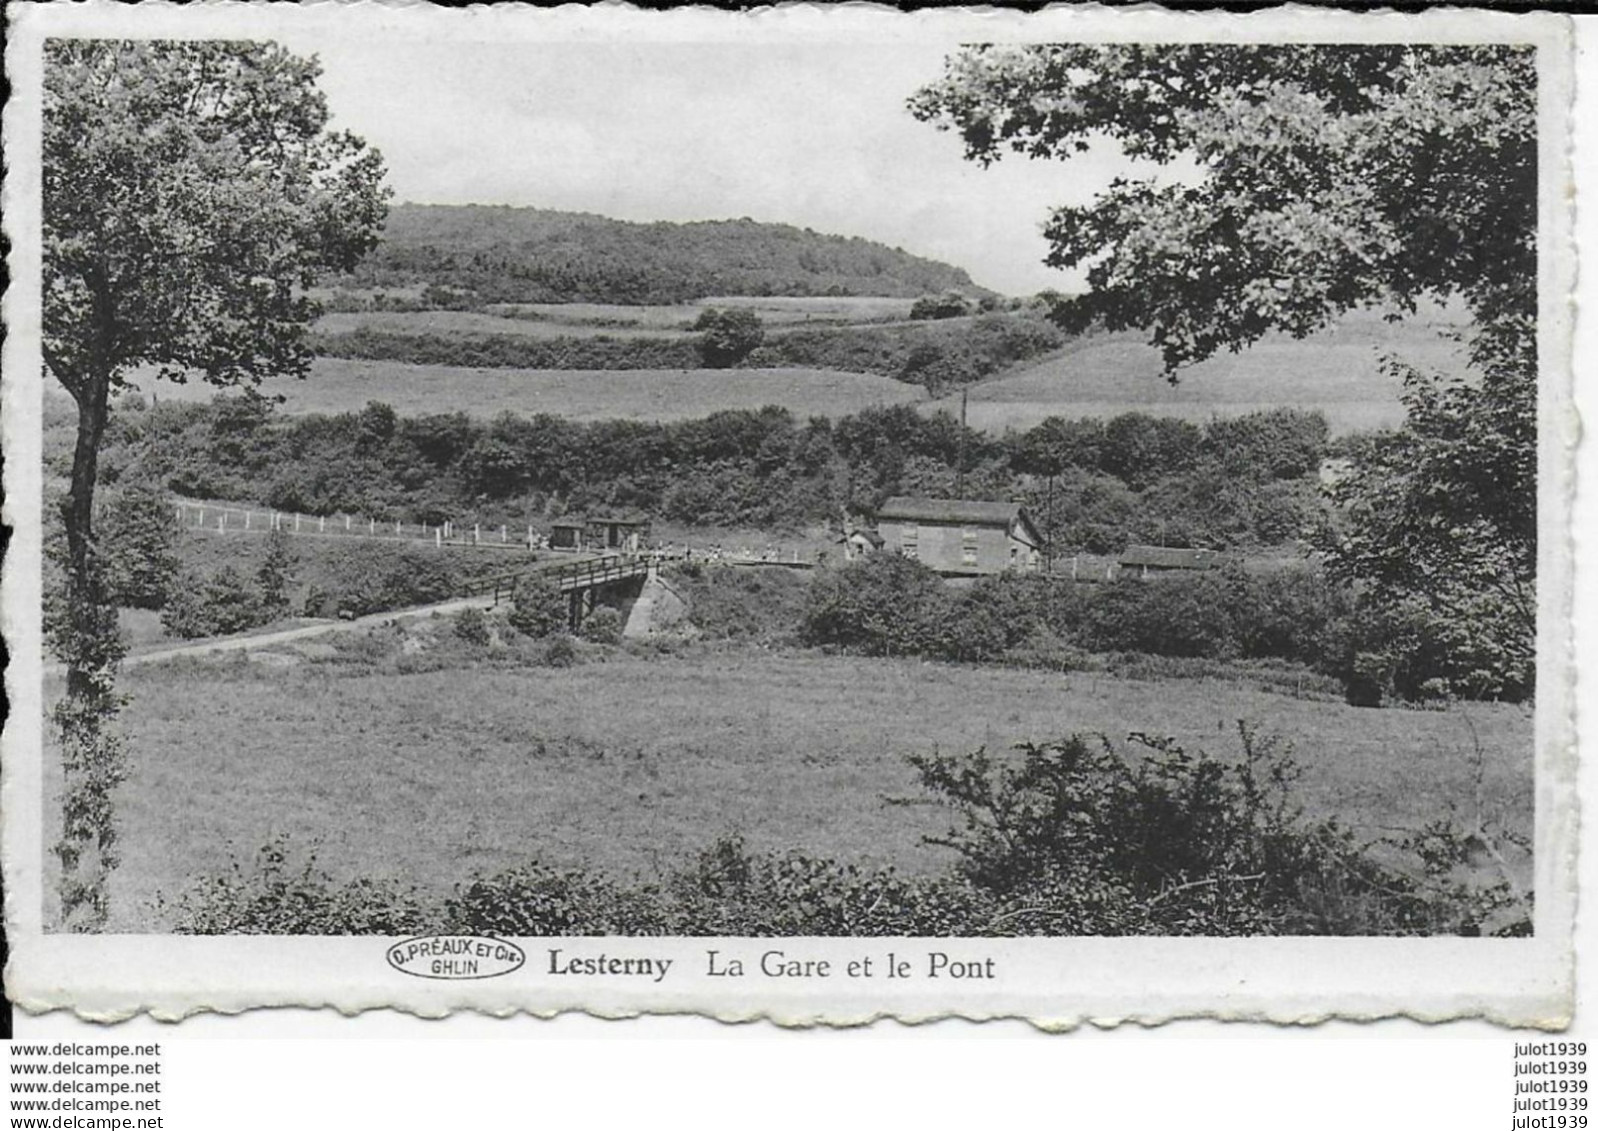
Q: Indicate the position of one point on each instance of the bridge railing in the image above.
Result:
(568, 577)
(585, 575)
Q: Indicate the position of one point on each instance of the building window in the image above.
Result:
(968, 547)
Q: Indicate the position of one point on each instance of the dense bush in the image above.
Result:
(1409, 650)
(275, 577)
(883, 605)
(221, 603)
(1176, 616)
(559, 651)
(510, 351)
(735, 603)
(538, 900)
(538, 607)
(950, 304)
(272, 896)
(890, 605)
(472, 626)
(728, 336)
(138, 533)
(603, 625)
(366, 579)
(729, 891)
(935, 355)
(1081, 838)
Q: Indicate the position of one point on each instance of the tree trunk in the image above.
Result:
(83, 572)
(90, 648)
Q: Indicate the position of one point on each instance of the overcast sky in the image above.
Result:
(812, 135)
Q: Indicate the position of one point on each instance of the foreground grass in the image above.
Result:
(628, 766)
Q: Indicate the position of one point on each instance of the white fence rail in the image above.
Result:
(224, 519)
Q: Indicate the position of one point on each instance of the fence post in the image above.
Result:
(321, 524)
(346, 524)
(438, 537)
(246, 520)
(296, 524)
(181, 514)
(371, 526)
(396, 527)
(221, 521)
(476, 532)
(201, 520)
(502, 532)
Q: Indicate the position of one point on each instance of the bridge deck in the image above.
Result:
(571, 577)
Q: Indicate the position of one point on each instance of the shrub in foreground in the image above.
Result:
(272, 896)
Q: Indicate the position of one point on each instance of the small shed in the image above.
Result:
(567, 534)
(961, 536)
(1147, 560)
(858, 543)
(623, 534)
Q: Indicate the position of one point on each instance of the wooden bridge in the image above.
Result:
(579, 581)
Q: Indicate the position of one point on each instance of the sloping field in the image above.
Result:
(337, 385)
(844, 308)
(557, 319)
(630, 765)
(597, 314)
(473, 322)
(1337, 371)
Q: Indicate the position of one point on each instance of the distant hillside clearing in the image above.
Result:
(637, 394)
(1338, 372)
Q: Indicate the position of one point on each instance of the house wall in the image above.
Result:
(946, 547)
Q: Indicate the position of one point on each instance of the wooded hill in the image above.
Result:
(474, 255)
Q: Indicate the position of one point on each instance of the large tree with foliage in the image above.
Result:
(1282, 186)
(192, 192)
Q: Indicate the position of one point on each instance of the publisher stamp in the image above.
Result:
(458, 956)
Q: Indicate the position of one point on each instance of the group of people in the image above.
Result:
(716, 553)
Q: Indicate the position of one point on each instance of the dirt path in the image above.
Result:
(290, 635)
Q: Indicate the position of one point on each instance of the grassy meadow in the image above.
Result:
(593, 319)
(338, 385)
(1338, 372)
(629, 764)
(773, 310)
(475, 322)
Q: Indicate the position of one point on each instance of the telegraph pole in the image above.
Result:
(959, 475)
(1048, 538)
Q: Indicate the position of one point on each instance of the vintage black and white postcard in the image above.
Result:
(814, 514)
